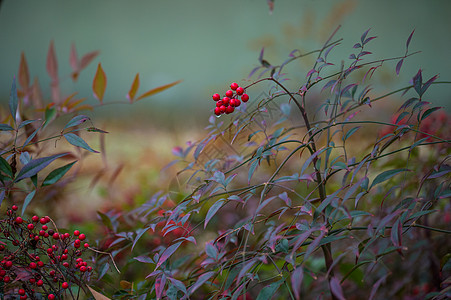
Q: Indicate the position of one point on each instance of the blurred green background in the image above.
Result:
(209, 44)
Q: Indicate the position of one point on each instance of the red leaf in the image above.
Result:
(24, 77)
(336, 289)
(52, 63)
(296, 281)
(133, 89)
(99, 83)
(73, 59)
(87, 58)
(398, 66)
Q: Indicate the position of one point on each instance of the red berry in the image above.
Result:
(83, 269)
(40, 264)
(30, 226)
(229, 93)
(229, 109)
(14, 207)
(21, 292)
(237, 102)
(64, 285)
(19, 220)
(56, 236)
(8, 264)
(6, 279)
(66, 264)
(43, 220)
(40, 282)
(86, 245)
(33, 265)
(222, 109)
(23, 297)
(49, 250)
(219, 103)
(47, 219)
(45, 227)
(225, 101)
(76, 232)
(66, 235)
(234, 86)
(89, 269)
(51, 297)
(216, 97)
(32, 280)
(217, 111)
(239, 90)
(35, 218)
(245, 97)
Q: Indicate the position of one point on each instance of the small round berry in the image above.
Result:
(237, 102)
(36, 238)
(239, 90)
(21, 292)
(51, 232)
(14, 207)
(76, 232)
(35, 218)
(66, 264)
(66, 235)
(64, 257)
(216, 97)
(89, 269)
(83, 269)
(86, 245)
(49, 250)
(245, 97)
(30, 226)
(64, 285)
(225, 101)
(52, 273)
(230, 109)
(19, 220)
(6, 279)
(23, 297)
(46, 235)
(229, 93)
(43, 220)
(56, 236)
(47, 219)
(219, 103)
(40, 282)
(217, 111)
(234, 86)
(32, 280)
(51, 297)
(40, 264)
(222, 109)
(33, 265)
(45, 227)
(8, 264)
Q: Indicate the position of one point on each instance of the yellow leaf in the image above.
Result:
(99, 83)
(125, 284)
(133, 89)
(97, 295)
(24, 77)
(158, 90)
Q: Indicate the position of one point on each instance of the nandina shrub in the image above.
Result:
(305, 191)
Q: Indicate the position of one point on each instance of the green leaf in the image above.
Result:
(77, 120)
(268, 291)
(428, 112)
(387, 175)
(350, 132)
(28, 200)
(36, 165)
(78, 142)
(13, 100)
(57, 174)
(212, 211)
(5, 167)
(49, 115)
(25, 123)
(5, 127)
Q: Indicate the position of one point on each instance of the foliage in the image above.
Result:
(306, 192)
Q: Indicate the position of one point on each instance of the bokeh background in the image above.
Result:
(209, 44)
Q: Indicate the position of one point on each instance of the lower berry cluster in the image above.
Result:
(227, 104)
(37, 262)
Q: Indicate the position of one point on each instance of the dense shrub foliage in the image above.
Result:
(303, 190)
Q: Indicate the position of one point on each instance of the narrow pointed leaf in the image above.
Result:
(5, 127)
(133, 89)
(5, 167)
(13, 100)
(36, 165)
(78, 141)
(77, 120)
(158, 90)
(336, 289)
(97, 295)
(167, 253)
(269, 291)
(428, 112)
(24, 76)
(27, 200)
(387, 175)
(310, 159)
(57, 174)
(212, 211)
(99, 83)
(87, 58)
(202, 279)
(73, 59)
(398, 66)
(52, 63)
(409, 39)
(296, 281)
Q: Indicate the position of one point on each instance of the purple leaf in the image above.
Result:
(336, 289)
(202, 279)
(377, 284)
(36, 165)
(363, 37)
(427, 84)
(408, 40)
(260, 58)
(167, 253)
(179, 285)
(398, 66)
(144, 259)
(159, 285)
(418, 82)
(357, 46)
(296, 281)
(77, 120)
(369, 39)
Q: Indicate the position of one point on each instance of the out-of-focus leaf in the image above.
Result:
(418, 82)
(428, 83)
(398, 66)
(78, 142)
(133, 89)
(5, 167)
(87, 58)
(212, 211)
(336, 289)
(103, 270)
(77, 120)
(97, 295)
(158, 90)
(167, 253)
(139, 234)
(268, 291)
(377, 284)
(93, 129)
(296, 281)
(211, 250)
(57, 174)
(202, 279)
(50, 113)
(24, 76)
(387, 175)
(409, 39)
(5, 127)
(99, 83)
(52, 63)
(73, 59)
(2, 196)
(13, 100)
(179, 285)
(36, 165)
(27, 200)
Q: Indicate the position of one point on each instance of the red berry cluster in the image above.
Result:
(42, 261)
(227, 104)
